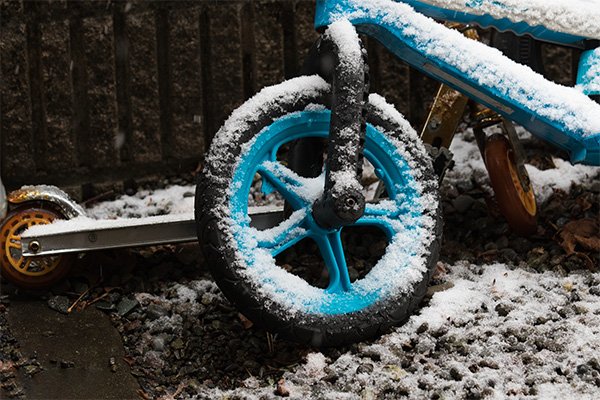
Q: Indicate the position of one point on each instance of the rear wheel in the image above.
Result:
(245, 258)
(30, 272)
(515, 201)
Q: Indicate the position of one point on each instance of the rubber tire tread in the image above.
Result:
(323, 331)
(497, 157)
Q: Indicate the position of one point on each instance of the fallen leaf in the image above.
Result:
(129, 360)
(143, 394)
(281, 389)
(584, 232)
(246, 323)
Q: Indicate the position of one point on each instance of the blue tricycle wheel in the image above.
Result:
(242, 257)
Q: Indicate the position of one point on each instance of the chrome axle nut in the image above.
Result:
(34, 246)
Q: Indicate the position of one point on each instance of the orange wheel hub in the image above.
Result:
(29, 272)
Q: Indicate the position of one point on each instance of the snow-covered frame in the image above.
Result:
(588, 76)
(560, 21)
(560, 115)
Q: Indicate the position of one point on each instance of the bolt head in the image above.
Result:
(34, 246)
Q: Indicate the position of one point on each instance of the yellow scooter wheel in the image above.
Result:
(29, 272)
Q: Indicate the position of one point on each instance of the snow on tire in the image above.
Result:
(241, 257)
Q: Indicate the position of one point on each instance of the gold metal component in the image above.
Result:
(444, 116)
(12, 248)
(484, 117)
(449, 105)
(471, 33)
(454, 25)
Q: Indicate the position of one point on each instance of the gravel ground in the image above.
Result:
(505, 316)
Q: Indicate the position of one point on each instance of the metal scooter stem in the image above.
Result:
(342, 202)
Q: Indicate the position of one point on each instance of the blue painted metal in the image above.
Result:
(589, 83)
(502, 24)
(340, 296)
(584, 149)
(540, 32)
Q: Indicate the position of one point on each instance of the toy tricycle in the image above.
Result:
(311, 140)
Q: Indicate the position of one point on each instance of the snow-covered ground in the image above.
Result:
(498, 331)
(469, 164)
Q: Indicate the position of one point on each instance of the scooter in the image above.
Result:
(311, 141)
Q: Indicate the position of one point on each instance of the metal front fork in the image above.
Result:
(518, 153)
(446, 113)
(444, 116)
(342, 202)
(484, 117)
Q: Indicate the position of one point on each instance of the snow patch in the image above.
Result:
(542, 344)
(469, 165)
(577, 17)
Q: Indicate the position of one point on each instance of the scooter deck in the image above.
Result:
(83, 234)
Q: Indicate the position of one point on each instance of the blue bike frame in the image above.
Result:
(583, 148)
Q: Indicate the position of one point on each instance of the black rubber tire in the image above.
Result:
(220, 249)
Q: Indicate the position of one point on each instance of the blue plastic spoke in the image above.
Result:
(286, 244)
(332, 251)
(377, 221)
(282, 179)
(284, 238)
(386, 208)
(266, 187)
